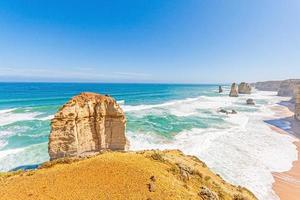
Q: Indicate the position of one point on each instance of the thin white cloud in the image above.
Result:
(133, 74)
(77, 73)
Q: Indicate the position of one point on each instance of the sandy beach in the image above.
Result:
(287, 184)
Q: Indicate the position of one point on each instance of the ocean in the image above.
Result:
(240, 147)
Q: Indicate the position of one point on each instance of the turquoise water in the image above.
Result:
(26, 110)
(240, 147)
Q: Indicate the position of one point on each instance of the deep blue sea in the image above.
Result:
(240, 147)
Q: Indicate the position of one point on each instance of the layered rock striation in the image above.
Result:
(234, 90)
(287, 88)
(244, 88)
(86, 124)
(268, 85)
(297, 103)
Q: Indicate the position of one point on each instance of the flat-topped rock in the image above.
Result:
(244, 88)
(234, 90)
(86, 124)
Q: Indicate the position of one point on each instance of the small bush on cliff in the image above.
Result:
(239, 197)
(158, 157)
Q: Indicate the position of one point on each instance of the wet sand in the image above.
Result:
(287, 184)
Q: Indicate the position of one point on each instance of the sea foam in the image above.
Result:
(30, 155)
(245, 152)
(9, 116)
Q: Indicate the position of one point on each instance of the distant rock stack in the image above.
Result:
(220, 89)
(85, 125)
(234, 90)
(244, 88)
(297, 104)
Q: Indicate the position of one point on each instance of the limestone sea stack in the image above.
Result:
(234, 90)
(297, 103)
(220, 89)
(244, 88)
(85, 125)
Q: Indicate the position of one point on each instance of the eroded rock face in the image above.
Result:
(234, 90)
(207, 194)
(288, 87)
(244, 88)
(268, 85)
(86, 124)
(297, 103)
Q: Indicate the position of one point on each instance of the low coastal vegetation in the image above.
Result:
(145, 175)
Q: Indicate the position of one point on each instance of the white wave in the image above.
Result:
(130, 108)
(8, 152)
(45, 118)
(245, 151)
(185, 107)
(3, 143)
(6, 110)
(245, 154)
(34, 154)
(10, 117)
(121, 102)
(3, 136)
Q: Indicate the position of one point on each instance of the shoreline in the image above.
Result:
(287, 183)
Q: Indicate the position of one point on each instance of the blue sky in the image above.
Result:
(173, 41)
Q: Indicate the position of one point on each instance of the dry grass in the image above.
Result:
(116, 175)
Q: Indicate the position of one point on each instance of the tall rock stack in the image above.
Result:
(234, 90)
(220, 89)
(244, 88)
(297, 104)
(86, 124)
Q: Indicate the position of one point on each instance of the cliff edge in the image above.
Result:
(144, 175)
(297, 103)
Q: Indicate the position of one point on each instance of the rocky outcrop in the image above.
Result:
(250, 102)
(234, 90)
(227, 112)
(244, 88)
(220, 89)
(287, 88)
(86, 124)
(297, 103)
(268, 85)
(207, 194)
